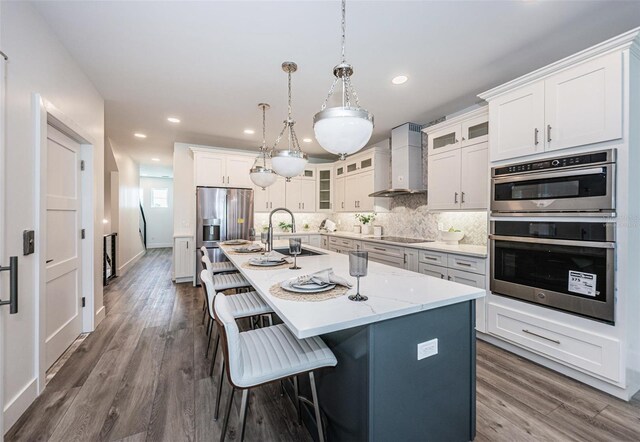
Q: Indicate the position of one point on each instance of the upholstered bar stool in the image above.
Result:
(242, 305)
(218, 267)
(265, 355)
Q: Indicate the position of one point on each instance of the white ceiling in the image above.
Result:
(210, 63)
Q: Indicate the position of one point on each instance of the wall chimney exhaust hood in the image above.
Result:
(406, 162)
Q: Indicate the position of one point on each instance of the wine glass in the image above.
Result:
(358, 263)
(264, 239)
(295, 248)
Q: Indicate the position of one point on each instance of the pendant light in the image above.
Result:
(346, 129)
(261, 174)
(291, 162)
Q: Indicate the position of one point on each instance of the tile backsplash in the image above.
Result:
(408, 217)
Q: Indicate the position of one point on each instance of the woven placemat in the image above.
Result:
(281, 293)
(249, 266)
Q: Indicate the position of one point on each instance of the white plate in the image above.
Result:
(287, 285)
(259, 263)
(235, 242)
(246, 250)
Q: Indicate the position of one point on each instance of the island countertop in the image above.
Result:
(392, 293)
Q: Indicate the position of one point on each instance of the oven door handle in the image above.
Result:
(555, 242)
(530, 176)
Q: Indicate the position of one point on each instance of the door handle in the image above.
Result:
(49, 260)
(13, 285)
(535, 136)
(548, 133)
(455, 197)
(462, 197)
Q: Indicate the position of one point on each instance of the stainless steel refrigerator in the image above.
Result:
(222, 214)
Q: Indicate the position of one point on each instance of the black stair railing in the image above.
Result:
(109, 261)
(143, 229)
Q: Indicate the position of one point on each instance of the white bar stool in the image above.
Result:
(218, 267)
(265, 355)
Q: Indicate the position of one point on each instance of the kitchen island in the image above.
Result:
(380, 390)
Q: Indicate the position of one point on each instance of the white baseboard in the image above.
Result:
(127, 265)
(160, 245)
(19, 403)
(100, 315)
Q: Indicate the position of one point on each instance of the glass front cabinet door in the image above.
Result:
(445, 139)
(325, 191)
(475, 131)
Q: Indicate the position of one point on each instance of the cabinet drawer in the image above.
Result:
(378, 248)
(343, 243)
(435, 258)
(335, 249)
(467, 264)
(578, 348)
(389, 260)
(431, 270)
(467, 278)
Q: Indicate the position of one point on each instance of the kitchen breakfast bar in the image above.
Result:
(380, 390)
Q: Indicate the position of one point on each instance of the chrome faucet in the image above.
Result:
(270, 231)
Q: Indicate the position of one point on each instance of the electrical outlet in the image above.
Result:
(427, 348)
(440, 226)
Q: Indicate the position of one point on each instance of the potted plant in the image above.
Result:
(366, 221)
(306, 227)
(285, 227)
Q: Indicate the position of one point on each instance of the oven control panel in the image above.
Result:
(554, 163)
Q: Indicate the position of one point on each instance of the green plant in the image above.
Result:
(306, 226)
(366, 219)
(265, 228)
(285, 226)
(451, 229)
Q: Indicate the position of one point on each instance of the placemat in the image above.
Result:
(247, 265)
(233, 252)
(281, 293)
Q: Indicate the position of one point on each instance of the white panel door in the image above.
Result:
(308, 195)
(583, 105)
(63, 289)
(277, 194)
(475, 177)
(260, 199)
(351, 192)
(294, 195)
(339, 195)
(517, 123)
(365, 187)
(210, 170)
(444, 181)
(238, 171)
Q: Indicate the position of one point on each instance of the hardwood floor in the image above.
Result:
(142, 376)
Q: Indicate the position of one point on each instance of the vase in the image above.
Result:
(366, 229)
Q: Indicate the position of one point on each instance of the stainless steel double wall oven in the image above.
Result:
(567, 265)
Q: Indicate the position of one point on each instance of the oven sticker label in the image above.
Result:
(582, 283)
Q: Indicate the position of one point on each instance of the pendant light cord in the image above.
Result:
(344, 29)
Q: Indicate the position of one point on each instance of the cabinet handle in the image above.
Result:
(463, 138)
(381, 249)
(535, 136)
(548, 133)
(449, 278)
(465, 264)
(432, 258)
(405, 258)
(555, 341)
(303, 206)
(457, 141)
(267, 205)
(455, 198)
(342, 205)
(462, 198)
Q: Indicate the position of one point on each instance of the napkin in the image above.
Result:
(325, 276)
(253, 247)
(271, 257)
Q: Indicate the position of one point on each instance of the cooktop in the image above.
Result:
(404, 240)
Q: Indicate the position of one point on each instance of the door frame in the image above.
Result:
(45, 113)
(3, 67)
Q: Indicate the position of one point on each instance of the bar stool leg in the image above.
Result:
(316, 406)
(226, 417)
(204, 314)
(215, 353)
(297, 393)
(243, 412)
(206, 353)
(220, 384)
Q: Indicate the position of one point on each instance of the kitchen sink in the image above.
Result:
(305, 252)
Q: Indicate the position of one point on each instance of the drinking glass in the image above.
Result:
(358, 264)
(264, 239)
(295, 248)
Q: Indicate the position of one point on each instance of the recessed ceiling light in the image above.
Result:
(139, 135)
(173, 120)
(155, 159)
(249, 131)
(307, 140)
(400, 79)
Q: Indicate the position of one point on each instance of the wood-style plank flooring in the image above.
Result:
(142, 376)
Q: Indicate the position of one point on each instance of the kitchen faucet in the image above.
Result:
(270, 231)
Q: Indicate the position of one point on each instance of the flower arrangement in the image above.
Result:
(366, 219)
(285, 227)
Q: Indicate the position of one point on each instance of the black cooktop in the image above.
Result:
(402, 239)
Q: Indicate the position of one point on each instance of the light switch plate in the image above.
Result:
(427, 349)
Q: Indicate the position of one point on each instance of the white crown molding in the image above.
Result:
(628, 40)
(484, 110)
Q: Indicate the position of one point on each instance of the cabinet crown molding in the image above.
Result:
(484, 110)
(628, 40)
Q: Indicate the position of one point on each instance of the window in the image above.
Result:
(142, 196)
(160, 198)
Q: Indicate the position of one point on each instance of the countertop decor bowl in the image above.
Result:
(451, 238)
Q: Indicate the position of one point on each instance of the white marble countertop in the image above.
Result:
(438, 246)
(392, 293)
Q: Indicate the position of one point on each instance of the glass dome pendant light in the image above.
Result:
(261, 174)
(347, 129)
(291, 162)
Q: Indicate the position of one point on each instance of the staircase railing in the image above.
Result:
(143, 229)
(109, 261)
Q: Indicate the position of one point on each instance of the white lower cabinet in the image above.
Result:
(315, 240)
(411, 260)
(579, 348)
(183, 258)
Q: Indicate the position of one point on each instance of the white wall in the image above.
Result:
(184, 206)
(38, 63)
(130, 246)
(159, 219)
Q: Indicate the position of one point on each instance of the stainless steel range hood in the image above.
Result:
(406, 162)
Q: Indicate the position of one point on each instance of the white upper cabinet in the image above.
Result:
(583, 105)
(444, 181)
(575, 102)
(339, 196)
(216, 169)
(445, 139)
(269, 198)
(517, 123)
(301, 192)
(475, 130)
(474, 169)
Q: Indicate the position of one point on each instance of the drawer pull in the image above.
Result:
(555, 341)
(461, 263)
(380, 248)
(432, 258)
